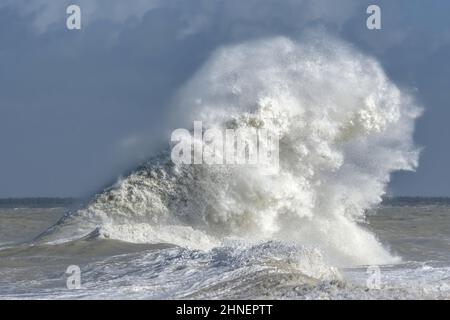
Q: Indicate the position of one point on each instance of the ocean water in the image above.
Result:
(418, 233)
(313, 230)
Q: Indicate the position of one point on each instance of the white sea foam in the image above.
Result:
(343, 128)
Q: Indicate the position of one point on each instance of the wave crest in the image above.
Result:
(343, 128)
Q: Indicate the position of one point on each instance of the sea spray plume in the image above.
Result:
(343, 128)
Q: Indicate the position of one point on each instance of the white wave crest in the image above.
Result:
(343, 128)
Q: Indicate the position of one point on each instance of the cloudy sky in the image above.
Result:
(78, 108)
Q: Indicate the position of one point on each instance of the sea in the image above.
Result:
(416, 230)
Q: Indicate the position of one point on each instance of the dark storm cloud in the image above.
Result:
(79, 107)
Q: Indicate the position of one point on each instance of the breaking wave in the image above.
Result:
(343, 128)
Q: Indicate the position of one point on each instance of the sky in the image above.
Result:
(79, 108)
